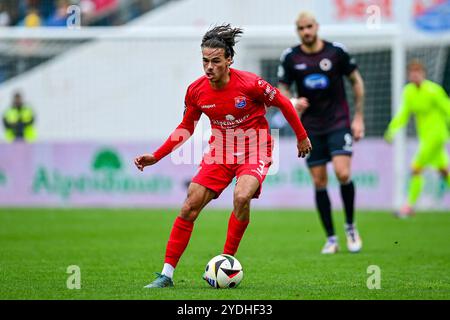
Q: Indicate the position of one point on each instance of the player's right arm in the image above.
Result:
(400, 120)
(179, 136)
(6, 123)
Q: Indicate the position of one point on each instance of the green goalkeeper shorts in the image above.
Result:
(431, 153)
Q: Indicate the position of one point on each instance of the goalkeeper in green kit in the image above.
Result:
(430, 105)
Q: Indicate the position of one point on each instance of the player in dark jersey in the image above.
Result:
(235, 102)
(316, 68)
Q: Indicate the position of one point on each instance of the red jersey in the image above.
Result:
(235, 111)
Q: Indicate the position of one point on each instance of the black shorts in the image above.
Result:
(326, 146)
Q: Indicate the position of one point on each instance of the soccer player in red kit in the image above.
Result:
(240, 146)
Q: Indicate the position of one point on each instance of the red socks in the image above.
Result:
(235, 232)
(178, 240)
(182, 230)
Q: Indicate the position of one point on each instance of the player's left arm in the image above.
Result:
(31, 120)
(358, 127)
(273, 97)
(443, 103)
(349, 68)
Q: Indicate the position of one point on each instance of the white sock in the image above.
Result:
(168, 270)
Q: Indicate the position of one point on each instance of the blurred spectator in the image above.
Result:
(59, 17)
(5, 19)
(87, 7)
(54, 12)
(46, 8)
(102, 12)
(32, 19)
(103, 5)
(18, 121)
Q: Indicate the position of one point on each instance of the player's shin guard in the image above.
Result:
(178, 240)
(415, 189)
(235, 233)
(324, 206)
(348, 198)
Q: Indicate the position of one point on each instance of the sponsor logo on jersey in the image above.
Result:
(240, 102)
(301, 66)
(230, 121)
(208, 106)
(270, 92)
(316, 81)
(326, 64)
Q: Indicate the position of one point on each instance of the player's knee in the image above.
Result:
(241, 200)
(190, 210)
(320, 182)
(343, 176)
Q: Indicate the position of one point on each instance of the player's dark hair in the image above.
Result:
(224, 37)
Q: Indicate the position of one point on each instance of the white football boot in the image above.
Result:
(354, 242)
(331, 246)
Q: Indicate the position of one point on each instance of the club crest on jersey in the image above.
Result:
(240, 102)
(326, 64)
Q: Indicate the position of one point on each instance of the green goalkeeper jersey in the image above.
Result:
(430, 105)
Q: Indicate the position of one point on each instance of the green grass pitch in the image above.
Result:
(118, 252)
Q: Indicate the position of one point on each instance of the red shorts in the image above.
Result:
(217, 177)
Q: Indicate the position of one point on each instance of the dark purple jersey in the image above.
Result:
(319, 78)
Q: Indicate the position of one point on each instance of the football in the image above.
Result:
(223, 271)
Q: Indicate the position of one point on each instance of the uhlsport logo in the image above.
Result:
(105, 175)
